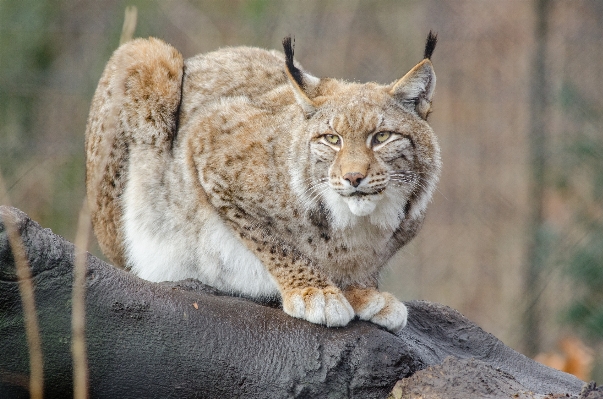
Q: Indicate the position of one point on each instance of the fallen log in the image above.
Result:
(186, 340)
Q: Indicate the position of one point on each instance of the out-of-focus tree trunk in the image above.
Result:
(538, 139)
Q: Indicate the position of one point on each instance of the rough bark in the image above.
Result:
(186, 340)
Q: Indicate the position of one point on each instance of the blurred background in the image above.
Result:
(514, 236)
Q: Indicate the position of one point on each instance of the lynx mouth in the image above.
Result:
(365, 194)
(359, 194)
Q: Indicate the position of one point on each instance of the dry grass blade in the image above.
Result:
(78, 300)
(82, 239)
(127, 31)
(26, 290)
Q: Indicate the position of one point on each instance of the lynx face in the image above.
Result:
(371, 154)
(363, 167)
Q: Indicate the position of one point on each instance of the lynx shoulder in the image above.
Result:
(242, 170)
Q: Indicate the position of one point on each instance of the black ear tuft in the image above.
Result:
(288, 46)
(432, 40)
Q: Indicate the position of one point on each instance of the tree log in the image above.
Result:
(186, 340)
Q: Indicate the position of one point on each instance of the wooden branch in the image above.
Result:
(186, 340)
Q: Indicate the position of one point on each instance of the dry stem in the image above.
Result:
(78, 313)
(129, 26)
(26, 290)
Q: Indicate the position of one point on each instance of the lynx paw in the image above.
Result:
(393, 315)
(321, 306)
(381, 308)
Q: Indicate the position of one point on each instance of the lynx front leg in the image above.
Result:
(306, 293)
(381, 308)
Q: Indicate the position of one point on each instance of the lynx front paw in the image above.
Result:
(381, 308)
(394, 314)
(321, 306)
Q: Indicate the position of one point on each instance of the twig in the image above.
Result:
(78, 300)
(82, 240)
(127, 31)
(26, 290)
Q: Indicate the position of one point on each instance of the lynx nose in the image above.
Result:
(354, 178)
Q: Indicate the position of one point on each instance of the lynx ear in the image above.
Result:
(417, 86)
(302, 83)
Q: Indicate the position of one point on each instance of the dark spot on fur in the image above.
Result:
(319, 218)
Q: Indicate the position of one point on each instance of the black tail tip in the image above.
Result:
(430, 44)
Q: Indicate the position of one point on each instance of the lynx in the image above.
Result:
(242, 170)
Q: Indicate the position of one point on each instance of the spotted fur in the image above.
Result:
(242, 170)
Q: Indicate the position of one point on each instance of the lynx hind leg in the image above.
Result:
(381, 308)
(136, 101)
(326, 305)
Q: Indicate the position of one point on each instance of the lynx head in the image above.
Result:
(365, 151)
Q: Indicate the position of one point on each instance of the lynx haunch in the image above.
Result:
(242, 170)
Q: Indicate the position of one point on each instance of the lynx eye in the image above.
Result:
(332, 139)
(381, 137)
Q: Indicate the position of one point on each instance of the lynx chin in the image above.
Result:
(242, 170)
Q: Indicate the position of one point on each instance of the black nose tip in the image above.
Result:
(354, 178)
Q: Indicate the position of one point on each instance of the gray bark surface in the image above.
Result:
(186, 340)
